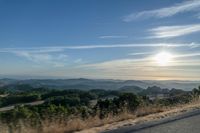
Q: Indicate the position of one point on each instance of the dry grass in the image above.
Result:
(77, 124)
(147, 113)
(62, 126)
(94, 124)
(146, 110)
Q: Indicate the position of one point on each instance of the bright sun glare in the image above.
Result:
(163, 58)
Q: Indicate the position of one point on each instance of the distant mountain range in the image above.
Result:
(87, 84)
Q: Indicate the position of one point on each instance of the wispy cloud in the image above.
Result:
(118, 63)
(194, 45)
(187, 6)
(144, 69)
(145, 63)
(32, 49)
(57, 60)
(174, 31)
(54, 56)
(187, 55)
(78, 60)
(34, 57)
(151, 55)
(140, 53)
(56, 49)
(125, 45)
(113, 36)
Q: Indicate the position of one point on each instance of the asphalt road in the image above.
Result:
(7, 108)
(186, 123)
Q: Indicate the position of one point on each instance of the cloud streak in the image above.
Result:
(55, 49)
(112, 37)
(140, 53)
(55, 56)
(146, 62)
(187, 6)
(174, 31)
(187, 55)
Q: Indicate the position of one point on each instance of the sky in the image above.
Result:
(100, 39)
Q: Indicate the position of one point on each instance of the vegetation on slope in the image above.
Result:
(65, 106)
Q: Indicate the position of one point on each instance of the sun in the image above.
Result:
(163, 58)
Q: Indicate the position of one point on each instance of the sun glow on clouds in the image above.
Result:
(163, 58)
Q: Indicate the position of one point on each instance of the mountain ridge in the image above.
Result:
(100, 84)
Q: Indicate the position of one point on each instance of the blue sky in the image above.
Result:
(115, 39)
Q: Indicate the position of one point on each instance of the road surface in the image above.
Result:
(185, 123)
(7, 108)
